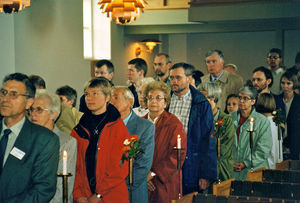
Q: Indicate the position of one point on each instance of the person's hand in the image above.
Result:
(151, 186)
(203, 184)
(238, 167)
(93, 199)
(150, 176)
(82, 200)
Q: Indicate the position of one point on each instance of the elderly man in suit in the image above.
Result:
(28, 152)
(123, 100)
(44, 111)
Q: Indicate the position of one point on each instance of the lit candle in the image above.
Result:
(251, 124)
(178, 142)
(65, 159)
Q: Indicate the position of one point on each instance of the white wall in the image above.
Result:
(291, 46)
(47, 39)
(7, 45)
(245, 49)
(49, 43)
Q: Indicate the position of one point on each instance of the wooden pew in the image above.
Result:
(289, 165)
(272, 175)
(263, 185)
(270, 190)
(206, 198)
(186, 199)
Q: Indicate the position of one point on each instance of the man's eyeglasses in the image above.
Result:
(273, 57)
(158, 98)
(11, 94)
(244, 98)
(39, 110)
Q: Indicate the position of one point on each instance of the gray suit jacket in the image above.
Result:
(33, 178)
(142, 164)
(69, 144)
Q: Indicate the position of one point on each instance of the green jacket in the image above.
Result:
(225, 161)
(261, 143)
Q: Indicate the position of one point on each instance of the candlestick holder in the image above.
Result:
(179, 169)
(130, 165)
(251, 147)
(279, 142)
(64, 185)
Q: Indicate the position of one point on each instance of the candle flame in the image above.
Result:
(65, 154)
(252, 119)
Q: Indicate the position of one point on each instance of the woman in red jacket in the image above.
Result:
(163, 183)
(100, 135)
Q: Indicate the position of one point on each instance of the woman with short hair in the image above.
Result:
(142, 110)
(266, 105)
(288, 84)
(163, 183)
(100, 135)
(261, 135)
(223, 133)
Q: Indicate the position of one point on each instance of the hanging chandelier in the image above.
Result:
(122, 11)
(9, 6)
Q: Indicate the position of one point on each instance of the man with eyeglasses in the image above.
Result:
(162, 63)
(28, 152)
(194, 112)
(230, 83)
(274, 60)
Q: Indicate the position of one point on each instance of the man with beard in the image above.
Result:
(194, 112)
(274, 60)
(162, 64)
(262, 80)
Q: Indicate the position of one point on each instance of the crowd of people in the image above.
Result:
(206, 119)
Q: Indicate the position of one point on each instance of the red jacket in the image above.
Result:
(164, 163)
(110, 177)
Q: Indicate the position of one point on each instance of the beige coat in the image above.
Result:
(68, 119)
(229, 83)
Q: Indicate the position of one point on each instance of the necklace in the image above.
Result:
(96, 131)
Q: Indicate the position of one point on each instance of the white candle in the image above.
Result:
(178, 142)
(65, 159)
(251, 124)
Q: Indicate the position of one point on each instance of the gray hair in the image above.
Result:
(233, 66)
(127, 93)
(213, 90)
(54, 104)
(211, 52)
(145, 81)
(250, 91)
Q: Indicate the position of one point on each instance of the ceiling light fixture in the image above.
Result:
(9, 6)
(122, 11)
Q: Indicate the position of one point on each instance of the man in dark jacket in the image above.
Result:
(194, 111)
